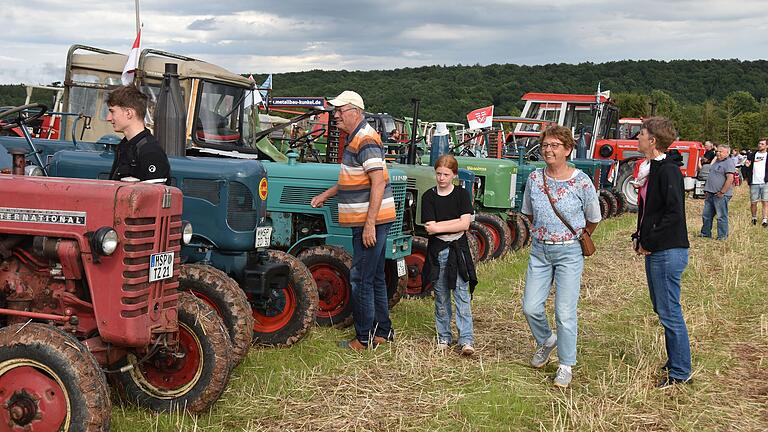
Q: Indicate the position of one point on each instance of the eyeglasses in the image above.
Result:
(550, 145)
(341, 111)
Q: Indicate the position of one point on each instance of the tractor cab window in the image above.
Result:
(219, 114)
(549, 111)
(578, 115)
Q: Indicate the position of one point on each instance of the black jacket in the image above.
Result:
(661, 218)
(459, 263)
(142, 158)
(748, 169)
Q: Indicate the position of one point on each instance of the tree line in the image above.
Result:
(719, 100)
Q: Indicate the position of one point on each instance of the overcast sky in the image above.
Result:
(283, 35)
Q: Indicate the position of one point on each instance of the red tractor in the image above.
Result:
(89, 278)
(598, 118)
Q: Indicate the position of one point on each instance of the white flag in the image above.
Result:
(255, 95)
(133, 61)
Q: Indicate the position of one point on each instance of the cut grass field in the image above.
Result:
(410, 386)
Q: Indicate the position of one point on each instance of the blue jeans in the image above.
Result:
(443, 307)
(663, 270)
(370, 307)
(561, 264)
(714, 205)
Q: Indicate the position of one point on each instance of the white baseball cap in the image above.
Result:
(348, 97)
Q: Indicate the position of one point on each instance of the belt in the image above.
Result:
(566, 242)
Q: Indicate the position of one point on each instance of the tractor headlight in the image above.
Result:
(186, 232)
(105, 240)
(606, 150)
(409, 199)
(33, 170)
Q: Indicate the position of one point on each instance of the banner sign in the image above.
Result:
(305, 102)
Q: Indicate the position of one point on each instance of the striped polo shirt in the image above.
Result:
(363, 154)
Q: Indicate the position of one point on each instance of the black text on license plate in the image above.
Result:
(160, 266)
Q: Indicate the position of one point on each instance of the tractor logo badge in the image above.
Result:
(263, 189)
(152, 168)
(61, 217)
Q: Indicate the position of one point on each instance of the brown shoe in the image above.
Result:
(354, 345)
(379, 340)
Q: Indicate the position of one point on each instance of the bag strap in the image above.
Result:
(552, 203)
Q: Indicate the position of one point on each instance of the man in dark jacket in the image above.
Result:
(662, 238)
(138, 156)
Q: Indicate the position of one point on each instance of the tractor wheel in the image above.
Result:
(396, 286)
(621, 204)
(501, 234)
(288, 314)
(50, 382)
(414, 264)
(329, 266)
(610, 198)
(484, 239)
(518, 229)
(474, 249)
(224, 295)
(190, 379)
(625, 188)
(528, 229)
(605, 211)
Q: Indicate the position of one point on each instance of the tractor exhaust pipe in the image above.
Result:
(414, 132)
(170, 114)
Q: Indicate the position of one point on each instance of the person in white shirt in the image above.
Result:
(757, 176)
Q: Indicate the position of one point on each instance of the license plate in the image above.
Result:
(263, 236)
(401, 270)
(160, 266)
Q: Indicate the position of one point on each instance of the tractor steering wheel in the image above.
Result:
(307, 137)
(21, 119)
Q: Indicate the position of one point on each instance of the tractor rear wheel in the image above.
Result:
(605, 211)
(414, 264)
(621, 204)
(289, 312)
(610, 198)
(484, 239)
(193, 376)
(625, 187)
(224, 295)
(474, 248)
(528, 229)
(500, 234)
(518, 229)
(49, 381)
(330, 266)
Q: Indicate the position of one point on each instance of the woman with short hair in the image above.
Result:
(556, 254)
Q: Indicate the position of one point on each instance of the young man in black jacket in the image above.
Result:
(138, 156)
(662, 237)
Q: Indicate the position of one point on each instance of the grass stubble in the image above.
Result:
(409, 385)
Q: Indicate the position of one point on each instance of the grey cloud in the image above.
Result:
(203, 24)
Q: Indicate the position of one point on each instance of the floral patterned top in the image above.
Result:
(575, 198)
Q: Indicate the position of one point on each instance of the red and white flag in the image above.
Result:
(133, 61)
(480, 118)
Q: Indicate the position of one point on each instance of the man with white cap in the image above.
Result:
(367, 206)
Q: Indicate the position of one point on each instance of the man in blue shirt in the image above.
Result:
(718, 191)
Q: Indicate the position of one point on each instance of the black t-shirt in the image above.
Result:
(441, 208)
(709, 156)
(142, 158)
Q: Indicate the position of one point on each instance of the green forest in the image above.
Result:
(720, 100)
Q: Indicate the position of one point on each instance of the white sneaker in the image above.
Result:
(563, 377)
(467, 350)
(443, 346)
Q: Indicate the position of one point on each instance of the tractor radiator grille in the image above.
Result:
(201, 188)
(398, 192)
(139, 296)
(301, 196)
(241, 213)
(411, 183)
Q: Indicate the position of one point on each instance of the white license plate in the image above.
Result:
(263, 236)
(160, 266)
(401, 270)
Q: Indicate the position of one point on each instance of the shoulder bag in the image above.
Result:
(587, 245)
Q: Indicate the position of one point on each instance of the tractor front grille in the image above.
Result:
(145, 236)
(202, 188)
(241, 213)
(398, 192)
(302, 196)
